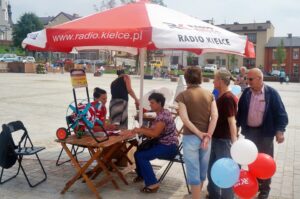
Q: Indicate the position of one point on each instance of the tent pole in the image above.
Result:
(142, 53)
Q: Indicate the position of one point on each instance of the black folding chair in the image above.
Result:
(179, 156)
(179, 159)
(23, 148)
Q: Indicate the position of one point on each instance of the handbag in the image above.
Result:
(147, 143)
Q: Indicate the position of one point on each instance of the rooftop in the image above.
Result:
(247, 26)
(287, 41)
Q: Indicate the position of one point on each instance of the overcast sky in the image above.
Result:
(284, 14)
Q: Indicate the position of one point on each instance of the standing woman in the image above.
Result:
(199, 114)
(118, 107)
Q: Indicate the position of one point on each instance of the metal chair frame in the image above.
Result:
(178, 157)
(24, 148)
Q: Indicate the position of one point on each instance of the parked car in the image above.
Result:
(156, 63)
(82, 61)
(28, 59)
(235, 70)
(9, 58)
(99, 62)
(174, 67)
(210, 67)
(275, 73)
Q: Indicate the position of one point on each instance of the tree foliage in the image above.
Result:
(280, 54)
(232, 60)
(28, 22)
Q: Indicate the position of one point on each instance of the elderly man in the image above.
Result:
(262, 116)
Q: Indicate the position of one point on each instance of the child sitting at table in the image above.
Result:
(100, 99)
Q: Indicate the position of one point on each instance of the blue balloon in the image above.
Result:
(225, 172)
(215, 92)
(236, 90)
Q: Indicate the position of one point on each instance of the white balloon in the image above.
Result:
(244, 151)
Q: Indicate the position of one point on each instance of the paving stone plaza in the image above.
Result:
(41, 101)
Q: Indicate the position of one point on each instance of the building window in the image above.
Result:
(245, 28)
(274, 54)
(296, 53)
(174, 60)
(296, 69)
(251, 37)
(223, 61)
(259, 27)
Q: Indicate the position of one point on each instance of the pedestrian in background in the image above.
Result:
(262, 116)
(241, 79)
(118, 108)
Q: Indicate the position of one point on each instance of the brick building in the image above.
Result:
(292, 49)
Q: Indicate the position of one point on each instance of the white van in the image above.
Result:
(28, 59)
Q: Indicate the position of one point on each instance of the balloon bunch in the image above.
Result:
(226, 173)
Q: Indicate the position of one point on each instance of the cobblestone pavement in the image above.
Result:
(40, 101)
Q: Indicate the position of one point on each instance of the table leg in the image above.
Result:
(103, 167)
(80, 171)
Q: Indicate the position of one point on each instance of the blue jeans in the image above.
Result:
(195, 159)
(143, 158)
(220, 148)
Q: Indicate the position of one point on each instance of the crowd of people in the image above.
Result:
(211, 125)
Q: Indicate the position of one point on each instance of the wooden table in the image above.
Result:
(103, 159)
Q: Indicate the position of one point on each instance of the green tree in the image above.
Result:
(280, 54)
(190, 58)
(28, 22)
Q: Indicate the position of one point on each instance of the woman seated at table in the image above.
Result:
(164, 128)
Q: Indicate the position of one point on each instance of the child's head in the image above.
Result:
(100, 95)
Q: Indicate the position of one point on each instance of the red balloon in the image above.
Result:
(247, 186)
(263, 167)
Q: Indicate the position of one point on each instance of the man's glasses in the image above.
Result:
(251, 78)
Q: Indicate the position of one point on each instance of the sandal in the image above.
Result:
(149, 190)
(138, 179)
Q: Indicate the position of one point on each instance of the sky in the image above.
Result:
(283, 14)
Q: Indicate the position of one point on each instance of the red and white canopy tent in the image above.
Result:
(136, 28)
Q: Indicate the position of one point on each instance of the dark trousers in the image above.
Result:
(143, 158)
(264, 145)
(220, 148)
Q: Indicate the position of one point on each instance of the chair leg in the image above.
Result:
(58, 158)
(163, 175)
(27, 179)
(2, 170)
(186, 182)
(74, 151)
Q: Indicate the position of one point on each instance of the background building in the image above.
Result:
(292, 62)
(258, 33)
(5, 21)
